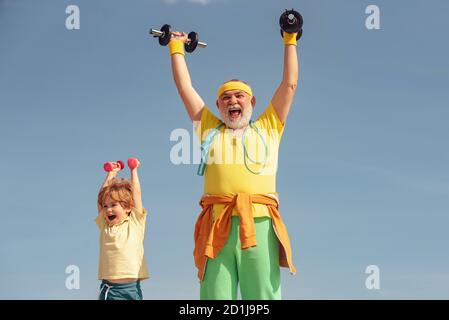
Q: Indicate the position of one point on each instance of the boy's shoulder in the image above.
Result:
(138, 212)
(100, 219)
(139, 216)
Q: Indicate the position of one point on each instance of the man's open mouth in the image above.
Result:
(235, 112)
(112, 217)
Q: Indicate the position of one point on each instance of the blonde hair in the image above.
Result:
(119, 190)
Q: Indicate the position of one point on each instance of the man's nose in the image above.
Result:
(233, 100)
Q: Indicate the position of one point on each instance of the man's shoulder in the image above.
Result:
(269, 114)
(269, 120)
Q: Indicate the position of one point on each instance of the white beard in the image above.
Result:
(243, 121)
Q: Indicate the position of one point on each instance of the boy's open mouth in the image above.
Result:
(112, 217)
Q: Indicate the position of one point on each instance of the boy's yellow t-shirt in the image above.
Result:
(226, 172)
(121, 247)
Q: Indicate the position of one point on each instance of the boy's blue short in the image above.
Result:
(120, 291)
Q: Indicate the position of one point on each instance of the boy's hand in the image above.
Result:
(110, 166)
(133, 163)
(116, 167)
(116, 170)
(112, 169)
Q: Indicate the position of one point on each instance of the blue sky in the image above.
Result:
(363, 167)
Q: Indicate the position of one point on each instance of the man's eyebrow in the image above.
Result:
(228, 94)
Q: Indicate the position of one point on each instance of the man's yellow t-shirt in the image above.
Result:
(226, 172)
(122, 247)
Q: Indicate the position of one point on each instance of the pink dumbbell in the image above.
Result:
(109, 166)
(133, 163)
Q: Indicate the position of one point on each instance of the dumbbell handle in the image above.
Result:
(291, 18)
(158, 33)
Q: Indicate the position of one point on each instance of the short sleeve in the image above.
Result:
(208, 121)
(99, 220)
(138, 216)
(269, 120)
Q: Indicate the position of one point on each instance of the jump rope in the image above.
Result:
(210, 137)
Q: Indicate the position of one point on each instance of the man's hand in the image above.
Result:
(179, 36)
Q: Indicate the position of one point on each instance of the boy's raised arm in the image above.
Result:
(137, 193)
(110, 175)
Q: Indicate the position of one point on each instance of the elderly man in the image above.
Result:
(240, 239)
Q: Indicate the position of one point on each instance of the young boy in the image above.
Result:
(121, 220)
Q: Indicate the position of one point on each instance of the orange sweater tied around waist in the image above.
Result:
(210, 236)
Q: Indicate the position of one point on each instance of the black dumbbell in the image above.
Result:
(291, 21)
(164, 36)
(192, 43)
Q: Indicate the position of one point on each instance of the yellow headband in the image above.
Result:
(234, 85)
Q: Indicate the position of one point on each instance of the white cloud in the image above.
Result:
(202, 2)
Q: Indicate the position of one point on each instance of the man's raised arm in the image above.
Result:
(283, 97)
(192, 101)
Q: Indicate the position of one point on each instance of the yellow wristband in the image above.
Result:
(176, 46)
(290, 38)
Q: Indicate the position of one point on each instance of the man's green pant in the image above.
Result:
(255, 269)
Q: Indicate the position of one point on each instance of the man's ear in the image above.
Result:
(216, 103)
(253, 101)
